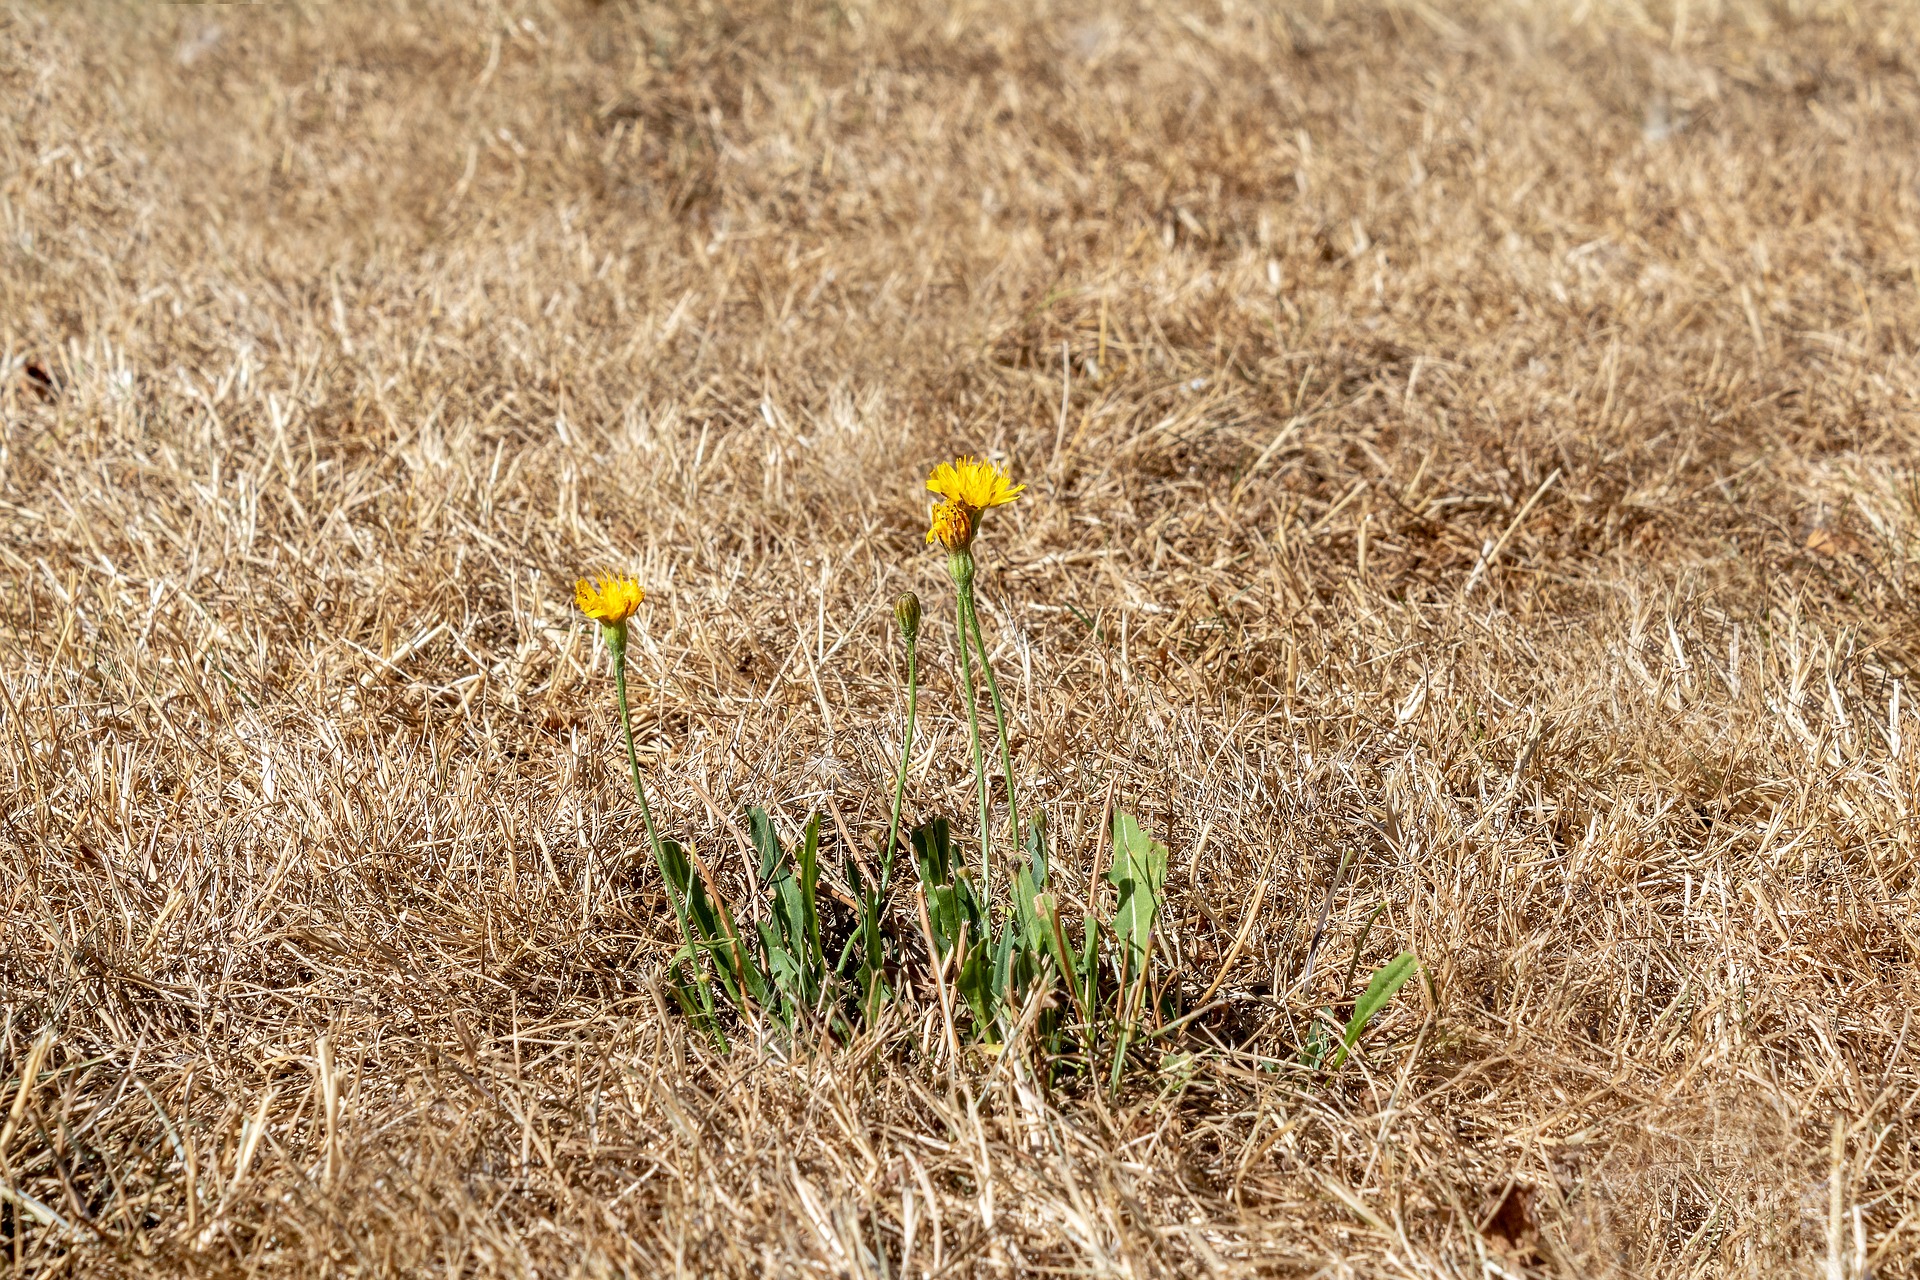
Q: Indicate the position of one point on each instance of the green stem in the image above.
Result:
(617, 646)
(617, 643)
(906, 757)
(973, 737)
(999, 717)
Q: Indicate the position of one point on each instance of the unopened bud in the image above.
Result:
(906, 610)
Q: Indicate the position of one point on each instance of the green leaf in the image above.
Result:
(933, 852)
(871, 944)
(1029, 882)
(797, 965)
(975, 983)
(1036, 846)
(679, 987)
(1138, 874)
(1386, 982)
(951, 900)
(700, 1012)
(785, 973)
(1315, 1050)
(1006, 958)
(809, 859)
(711, 927)
(1055, 938)
(767, 841)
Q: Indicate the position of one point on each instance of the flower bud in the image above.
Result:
(906, 610)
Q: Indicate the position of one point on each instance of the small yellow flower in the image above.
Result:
(974, 484)
(952, 526)
(608, 601)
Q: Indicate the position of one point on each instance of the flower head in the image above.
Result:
(974, 484)
(906, 611)
(608, 601)
(951, 526)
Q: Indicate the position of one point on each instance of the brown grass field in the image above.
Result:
(1471, 441)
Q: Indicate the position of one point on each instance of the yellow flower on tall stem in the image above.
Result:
(611, 601)
(968, 487)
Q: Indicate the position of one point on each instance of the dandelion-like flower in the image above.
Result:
(608, 601)
(968, 487)
(951, 525)
(973, 483)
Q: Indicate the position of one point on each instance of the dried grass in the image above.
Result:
(1478, 437)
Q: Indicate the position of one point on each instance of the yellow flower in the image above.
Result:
(608, 601)
(974, 484)
(952, 526)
